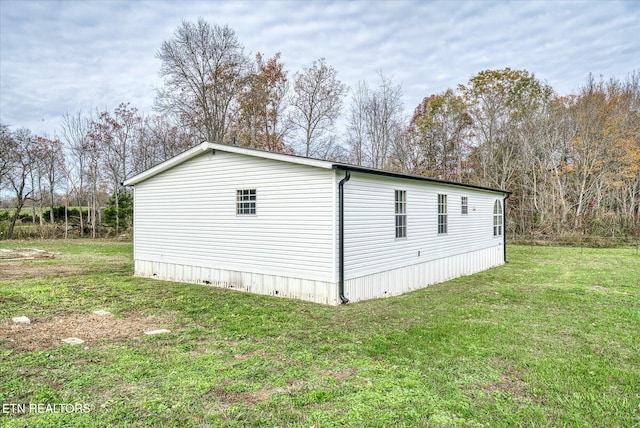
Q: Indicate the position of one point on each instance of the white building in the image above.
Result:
(270, 223)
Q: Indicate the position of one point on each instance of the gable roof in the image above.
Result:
(206, 146)
(317, 163)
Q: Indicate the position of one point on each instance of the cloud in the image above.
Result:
(65, 56)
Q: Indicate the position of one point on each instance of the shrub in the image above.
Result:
(25, 217)
(58, 212)
(123, 212)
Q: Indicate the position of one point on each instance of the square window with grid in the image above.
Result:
(401, 214)
(442, 214)
(246, 201)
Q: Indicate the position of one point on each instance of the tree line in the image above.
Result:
(572, 162)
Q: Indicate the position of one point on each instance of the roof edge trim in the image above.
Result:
(364, 170)
(169, 163)
(206, 146)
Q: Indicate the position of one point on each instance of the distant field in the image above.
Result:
(549, 340)
(29, 210)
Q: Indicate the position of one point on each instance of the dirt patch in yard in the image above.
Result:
(341, 375)
(226, 398)
(16, 270)
(24, 254)
(259, 353)
(511, 383)
(46, 333)
(27, 262)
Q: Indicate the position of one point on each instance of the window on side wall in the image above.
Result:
(497, 219)
(464, 201)
(246, 202)
(401, 214)
(442, 214)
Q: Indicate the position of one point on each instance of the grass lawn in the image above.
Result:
(551, 339)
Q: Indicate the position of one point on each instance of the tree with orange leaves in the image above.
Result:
(260, 121)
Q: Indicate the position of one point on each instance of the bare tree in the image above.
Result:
(203, 68)
(375, 124)
(317, 102)
(408, 155)
(20, 160)
(7, 146)
(95, 156)
(88, 150)
(157, 141)
(75, 134)
(52, 168)
(116, 135)
(356, 127)
(36, 174)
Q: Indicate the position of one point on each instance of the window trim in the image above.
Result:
(443, 216)
(246, 202)
(498, 221)
(400, 204)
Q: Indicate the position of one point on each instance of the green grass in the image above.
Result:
(551, 339)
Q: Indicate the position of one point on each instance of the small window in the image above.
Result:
(465, 205)
(401, 214)
(246, 201)
(497, 219)
(442, 214)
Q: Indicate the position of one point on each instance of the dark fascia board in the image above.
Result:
(373, 171)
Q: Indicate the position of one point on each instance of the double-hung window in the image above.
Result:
(246, 202)
(401, 214)
(442, 214)
(464, 202)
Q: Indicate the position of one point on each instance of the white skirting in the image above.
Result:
(382, 284)
(270, 285)
(402, 280)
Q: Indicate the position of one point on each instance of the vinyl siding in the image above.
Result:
(187, 216)
(370, 243)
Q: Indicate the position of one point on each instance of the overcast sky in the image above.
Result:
(70, 56)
